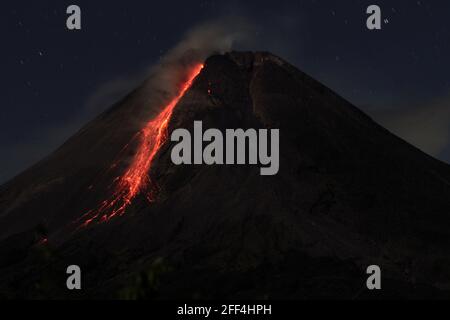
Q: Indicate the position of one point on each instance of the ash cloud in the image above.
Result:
(197, 45)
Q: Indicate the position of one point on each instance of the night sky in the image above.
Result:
(55, 80)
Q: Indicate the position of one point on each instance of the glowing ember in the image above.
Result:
(136, 178)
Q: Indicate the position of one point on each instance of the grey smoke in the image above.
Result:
(164, 78)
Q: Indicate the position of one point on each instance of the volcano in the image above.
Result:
(348, 194)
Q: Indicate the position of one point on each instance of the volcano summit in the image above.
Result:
(348, 194)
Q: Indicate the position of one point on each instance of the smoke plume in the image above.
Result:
(198, 44)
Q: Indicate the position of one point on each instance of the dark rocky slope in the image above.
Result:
(348, 194)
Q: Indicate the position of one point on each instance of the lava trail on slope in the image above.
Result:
(136, 178)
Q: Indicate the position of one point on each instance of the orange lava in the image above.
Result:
(136, 178)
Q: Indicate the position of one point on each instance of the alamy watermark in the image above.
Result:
(235, 147)
(73, 281)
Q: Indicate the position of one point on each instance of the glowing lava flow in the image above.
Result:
(136, 179)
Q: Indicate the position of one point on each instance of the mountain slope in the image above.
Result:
(348, 194)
